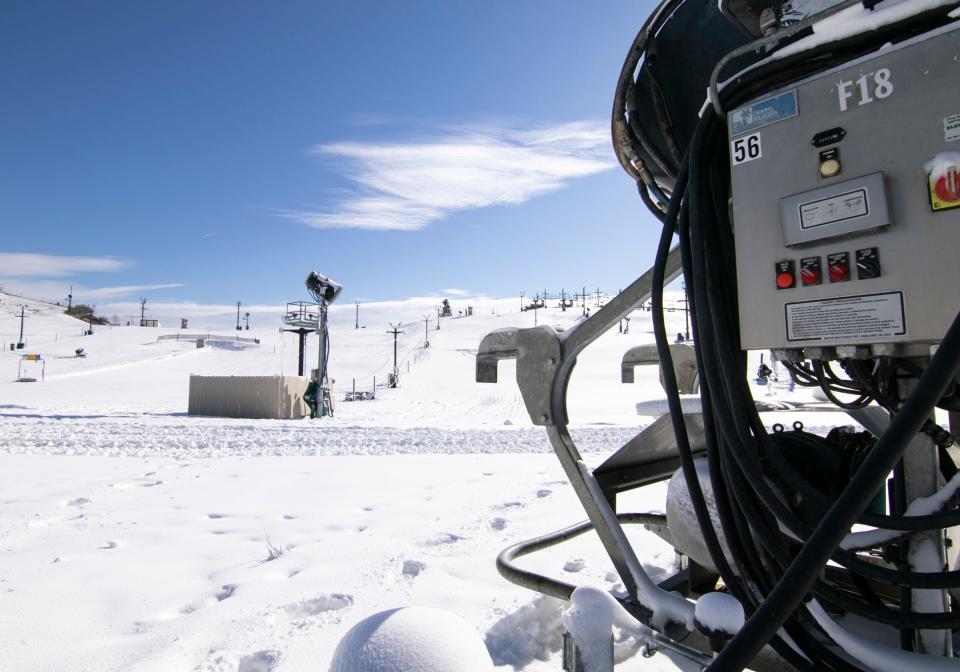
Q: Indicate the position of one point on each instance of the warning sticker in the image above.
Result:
(951, 127)
(846, 318)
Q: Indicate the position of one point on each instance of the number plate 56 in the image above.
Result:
(746, 149)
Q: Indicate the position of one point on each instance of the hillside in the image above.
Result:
(213, 544)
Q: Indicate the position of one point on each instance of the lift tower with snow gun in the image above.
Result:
(324, 291)
(811, 201)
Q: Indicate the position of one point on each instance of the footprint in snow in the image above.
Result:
(215, 516)
(498, 523)
(109, 545)
(218, 661)
(575, 565)
(510, 505)
(261, 661)
(79, 501)
(319, 605)
(443, 539)
(544, 493)
(225, 592)
(412, 568)
(287, 516)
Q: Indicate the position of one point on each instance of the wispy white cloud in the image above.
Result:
(111, 292)
(53, 291)
(406, 186)
(20, 264)
(456, 292)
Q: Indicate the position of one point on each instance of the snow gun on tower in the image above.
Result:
(803, 161)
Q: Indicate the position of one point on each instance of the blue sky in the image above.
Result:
(209, 152)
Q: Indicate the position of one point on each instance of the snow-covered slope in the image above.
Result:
(136, 537)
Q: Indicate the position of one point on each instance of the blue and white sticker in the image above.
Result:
(763, 113)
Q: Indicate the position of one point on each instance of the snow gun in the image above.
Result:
(803, 160)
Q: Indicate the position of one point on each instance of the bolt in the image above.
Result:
(544, 417)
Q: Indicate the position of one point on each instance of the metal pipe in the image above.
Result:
(563, 590)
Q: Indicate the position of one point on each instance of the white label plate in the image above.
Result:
(861, 318)
(834, 209)
(951, 128)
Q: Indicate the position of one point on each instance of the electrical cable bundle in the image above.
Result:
(776, 557)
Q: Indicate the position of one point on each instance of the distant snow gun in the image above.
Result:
(811, 202)
(324, 291)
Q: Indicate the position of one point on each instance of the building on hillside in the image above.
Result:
(149, 323)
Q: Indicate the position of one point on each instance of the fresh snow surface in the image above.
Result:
(591, 618)
(858, 19)
(720, 612)
(942, 165)
(136, 537)
(424, 639)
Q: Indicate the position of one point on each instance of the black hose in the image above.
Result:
(800, 575)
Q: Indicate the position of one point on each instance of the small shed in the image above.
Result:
(248, 396)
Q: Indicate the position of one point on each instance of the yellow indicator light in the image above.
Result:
(830, 168)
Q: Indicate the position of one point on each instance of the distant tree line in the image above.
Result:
(81, 311)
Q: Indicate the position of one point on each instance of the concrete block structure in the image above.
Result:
(278, 397)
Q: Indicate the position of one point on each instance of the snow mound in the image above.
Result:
(424, 639)
(719, 613)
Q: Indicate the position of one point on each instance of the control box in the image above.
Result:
(842, 235)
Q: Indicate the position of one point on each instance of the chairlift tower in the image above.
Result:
(394, 378)
(303, 318)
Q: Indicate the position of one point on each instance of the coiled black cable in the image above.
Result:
(769, 577)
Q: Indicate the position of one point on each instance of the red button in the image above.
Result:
(810, 276)
(947, 187)
(785, 280)
(838, 273)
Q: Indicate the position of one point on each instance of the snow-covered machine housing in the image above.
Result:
(806, 158)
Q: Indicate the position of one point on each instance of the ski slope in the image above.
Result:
(136, 537)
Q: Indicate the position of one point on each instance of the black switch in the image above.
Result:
(868, 263)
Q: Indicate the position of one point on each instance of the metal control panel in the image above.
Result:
(842, 236)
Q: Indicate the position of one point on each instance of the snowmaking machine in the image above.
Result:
(804, 156)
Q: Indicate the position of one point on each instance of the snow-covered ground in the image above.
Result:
(136, 537)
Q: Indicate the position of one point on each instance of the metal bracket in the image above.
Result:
(684, 365)
(545, 361)
(537, 351)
